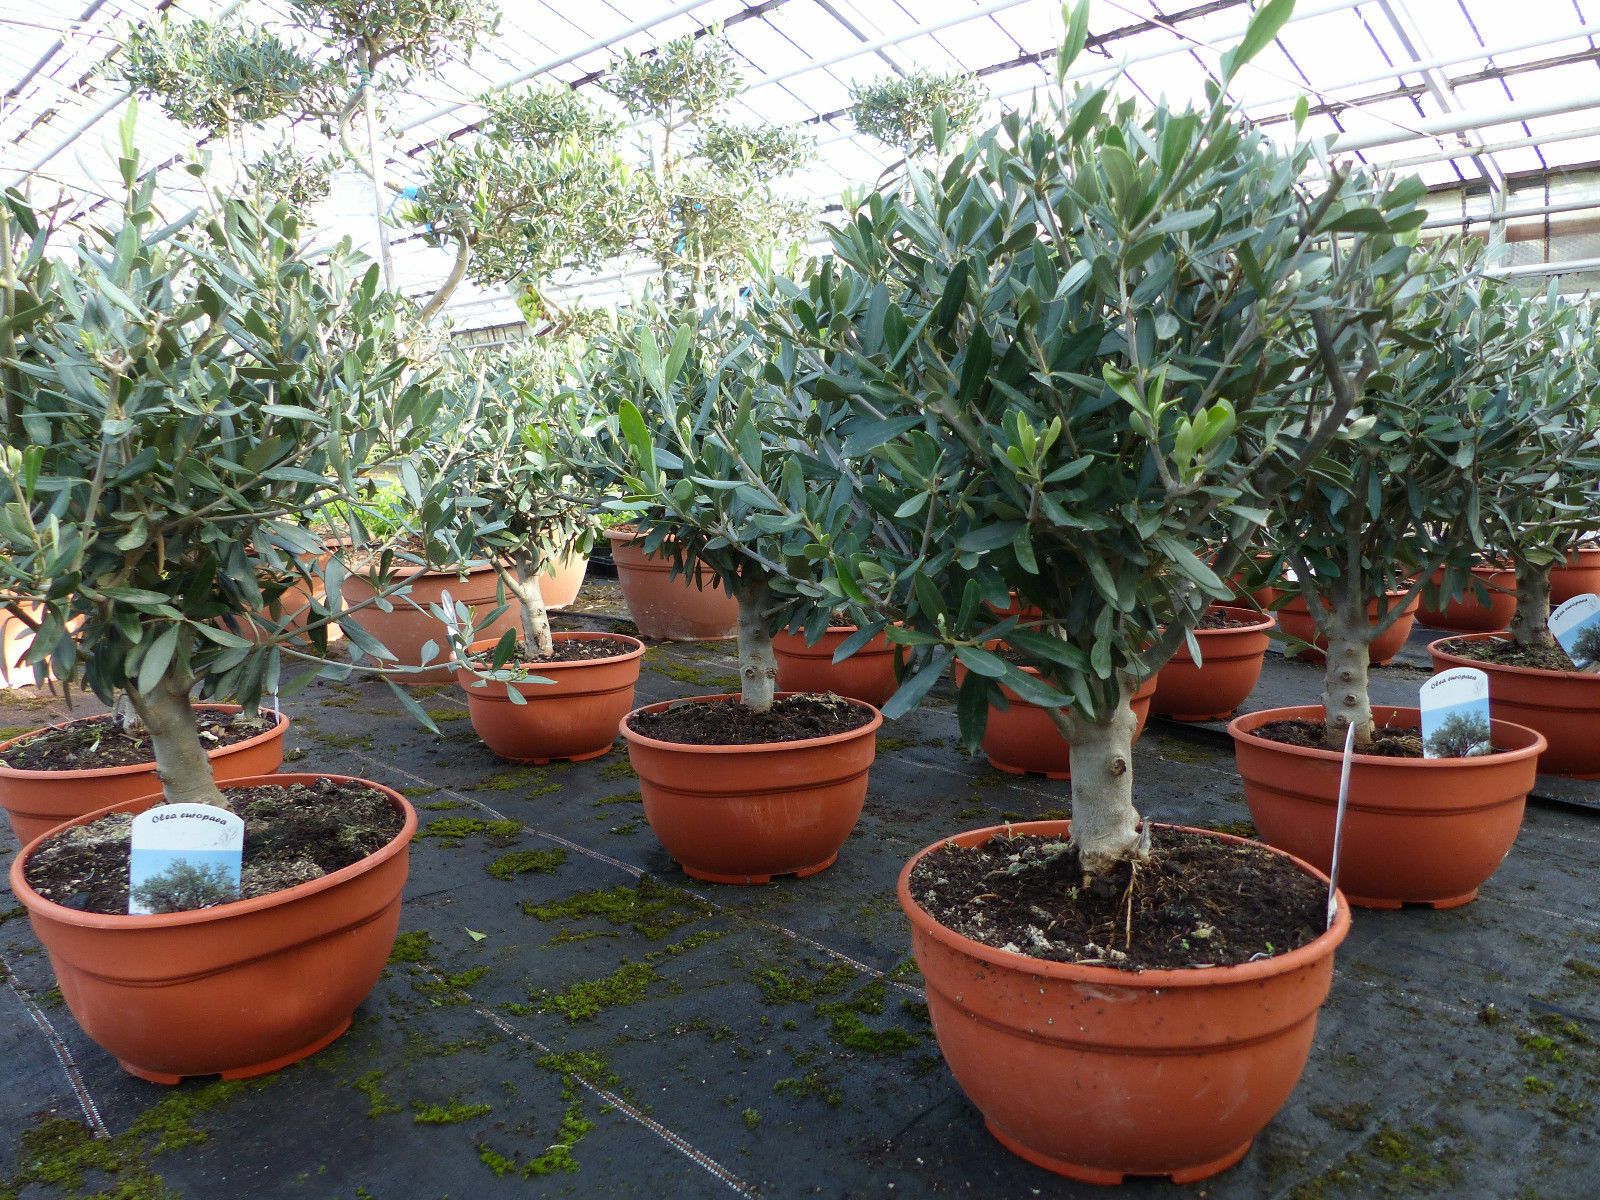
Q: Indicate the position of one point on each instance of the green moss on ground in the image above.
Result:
(442, 715)
(423, 789)
(454, 1113)
(558, 1156)
(847, 1026)
(893, 745)
(379, 1103)
(64, 1155)
(522, 776)
(411, 947)
(618, 768)
(523, 862)
(449, 989)
(451, 831)
(633, 797)
(650, 908)
(588, 998)
(590, 1066)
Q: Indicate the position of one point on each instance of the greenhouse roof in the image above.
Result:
(1483, 98)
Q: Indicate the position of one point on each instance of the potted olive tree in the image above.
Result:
(1538, 508)
(175, 397)
(1395, 497)
(1055, 364)
(534, 694)
(737, 788)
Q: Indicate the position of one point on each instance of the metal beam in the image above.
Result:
(1570, 267)
(1496, 215)
(1522, 143)
(1457, 122)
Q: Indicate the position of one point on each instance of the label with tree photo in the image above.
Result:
(1576, 625)
(184, 856)
(1455, 714)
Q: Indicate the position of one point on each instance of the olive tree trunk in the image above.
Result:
(758, 665)
(181, 762)
(1346, 700)
(522, 581)
(1105, 825)
(1530, 626)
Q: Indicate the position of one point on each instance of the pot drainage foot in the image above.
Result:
(544, 762)
(250, 1072)
(798, 873)
(1110, 1178)
(1010, 770)
(1390, 905)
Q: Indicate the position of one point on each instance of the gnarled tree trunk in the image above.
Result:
(1530, 626)
(522, 581)
(1345, 697)
(1105, 825)
(181, 762)
(758, 665)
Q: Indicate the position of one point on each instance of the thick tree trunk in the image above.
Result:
(1345, 698)
(181, 762)
(758, 665)
(523, 583)
(1105, 825)
(1530, 626)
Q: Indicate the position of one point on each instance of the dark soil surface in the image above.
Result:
(1396, 741)
(1214, 618)
(790, 719)
(566, 650)
(100, 742)
(292, 834)
(1198, 902)
(1509, 654)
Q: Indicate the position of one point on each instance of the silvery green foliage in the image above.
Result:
(1543, 499)
(287, 173)
(414, 35)
(553, 183)
(1059, 360)
(900, 109)
(220, 75)
(178, 399)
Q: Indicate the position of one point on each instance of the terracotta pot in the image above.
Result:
(1096, 1073)
(38, 801)
(677, 610)
(742, 814)
(1261, 596)
(560, 581)
(1579, 577)
(1230, 664)
(1023, 740)
(1417, 830)
(1564, 706)
(1466, 614)
(16, 639)
(1294, 619)
(866, 675)
(240, 989)
(410, 626)
(574, 717)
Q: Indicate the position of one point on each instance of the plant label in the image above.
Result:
(1338, 821)
(1576, 626)
(1455, 714)
(184, 856)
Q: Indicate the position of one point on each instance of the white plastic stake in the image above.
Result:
(1338, 822)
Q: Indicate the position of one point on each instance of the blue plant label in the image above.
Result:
(1576, 626)
(1455, 714)
(184, 856)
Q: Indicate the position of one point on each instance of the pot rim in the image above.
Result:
(843, 631)
(62, 915)
(1506, 668)
(1392, 714)
(871, 727)
(1154, 980)
(466, 678)
(87, 773)
(1265, 622)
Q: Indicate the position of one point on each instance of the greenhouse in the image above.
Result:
(844, 598)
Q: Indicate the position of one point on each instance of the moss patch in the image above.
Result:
(379, 1103)
(452, 830)
(558, 1156)
(511, 779)
(449, 989)
(650, 908)
(892, 745)
(587, 999)
(618, 768)
(454, 1113)
(524, 862)
(411, 947)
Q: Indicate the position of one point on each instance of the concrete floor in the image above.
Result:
(621, 1030)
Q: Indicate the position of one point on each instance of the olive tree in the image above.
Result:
(703, 454)
(1541, 503)
(1397, 493)
(177, 399)
(1061, 359)
(918, 110)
